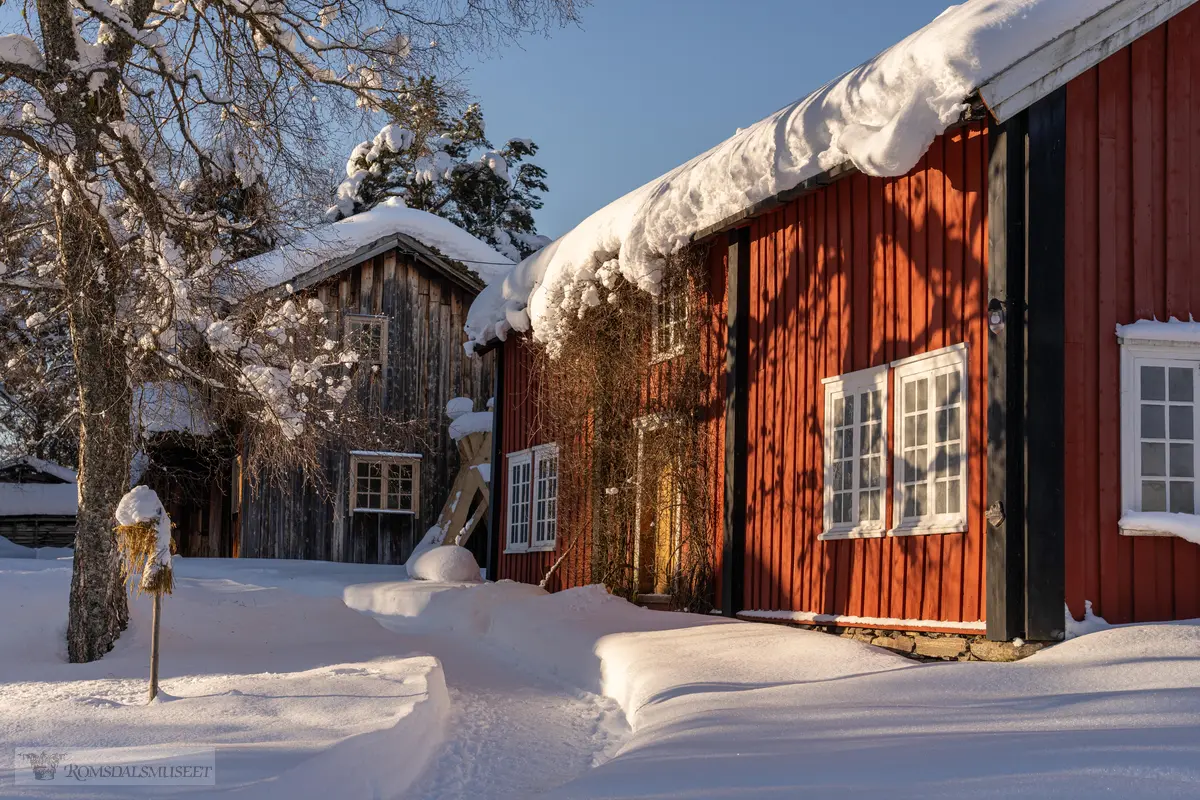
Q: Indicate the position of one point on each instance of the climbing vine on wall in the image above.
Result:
(624, 394)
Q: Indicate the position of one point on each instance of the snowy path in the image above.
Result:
(511, 735)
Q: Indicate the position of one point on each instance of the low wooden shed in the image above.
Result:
(38, 503)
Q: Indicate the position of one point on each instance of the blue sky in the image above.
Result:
(643, 85)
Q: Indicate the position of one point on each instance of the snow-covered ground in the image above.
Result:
(260, 659)
(502, 691)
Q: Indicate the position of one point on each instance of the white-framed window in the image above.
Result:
(384, 483)
(668, 317)
(532, 499)
(368, 335)
(545, 497)
(1160, 385)
(929, 471)
(855, 454)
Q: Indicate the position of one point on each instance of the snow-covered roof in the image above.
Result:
(39, 499)
(64, 474)
(345, 238)
(168, 406)
(880, 117)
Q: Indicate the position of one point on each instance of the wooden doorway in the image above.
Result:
(658, 536)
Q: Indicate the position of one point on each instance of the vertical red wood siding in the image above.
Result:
(855, 275)
(521, 430)
(1132, 252)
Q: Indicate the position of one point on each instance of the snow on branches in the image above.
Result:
(138, 139)
(446, 165)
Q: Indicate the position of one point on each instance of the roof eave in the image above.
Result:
(1057, 62)
(455, 271)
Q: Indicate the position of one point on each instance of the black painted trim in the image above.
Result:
(736, 405)
(1045, 220)
(1005, 542)
(497, 473)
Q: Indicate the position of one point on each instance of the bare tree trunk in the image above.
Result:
(99, 610)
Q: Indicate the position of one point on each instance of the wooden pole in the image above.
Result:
(154, 647)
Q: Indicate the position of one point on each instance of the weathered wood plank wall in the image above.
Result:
(426, 367)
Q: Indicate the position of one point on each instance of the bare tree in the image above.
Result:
(108, 113)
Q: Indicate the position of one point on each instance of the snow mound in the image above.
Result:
(140, 504)
(341, 239)
(474, 422)
(444, 564)
(880, 116)
(459, 406)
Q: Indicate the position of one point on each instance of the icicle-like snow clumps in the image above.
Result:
(881, 116)
(1089, 624)
(1153, 330)
(141, 505)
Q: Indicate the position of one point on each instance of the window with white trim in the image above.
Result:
(668, 316)
(930, 458)
(855, 457)
(532, 499)
(368, 335)
(384, 483)
(545, 514)
(1160, 385)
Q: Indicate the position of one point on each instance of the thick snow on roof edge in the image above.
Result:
(49, 467)
(340, 239)
(881, 116)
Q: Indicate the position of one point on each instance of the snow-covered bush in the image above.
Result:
(134, 146)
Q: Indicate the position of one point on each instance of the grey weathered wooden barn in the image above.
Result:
(400, 281)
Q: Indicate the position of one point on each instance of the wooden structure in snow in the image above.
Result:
(467, 501)
(922, 411)
(398, 291)
(38, 503)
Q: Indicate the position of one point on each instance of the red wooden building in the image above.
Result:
(924, 413)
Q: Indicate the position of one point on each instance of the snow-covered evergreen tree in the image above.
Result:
(443, 163)
(108, 109)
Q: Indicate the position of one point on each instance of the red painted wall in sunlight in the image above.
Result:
(857, 274)
(1133, 252)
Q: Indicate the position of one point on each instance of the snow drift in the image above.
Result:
(722, 708)
(880, 116)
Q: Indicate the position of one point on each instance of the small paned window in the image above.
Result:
(668, 317)
(546, 512)
(387, 483)
(1160, 385)
(368, 335)
(855, 444)
(931, 448)
(533, 499)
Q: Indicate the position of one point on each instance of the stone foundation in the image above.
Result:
(923, 646)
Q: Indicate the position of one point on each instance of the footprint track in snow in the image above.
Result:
(511, 734)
